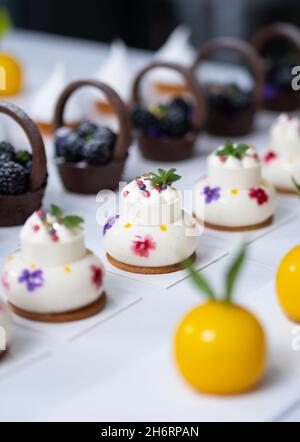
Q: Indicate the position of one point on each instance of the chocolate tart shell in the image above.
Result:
(286, 100)
(88, 179)
(172, 149)
(167, 149)
(16, 209)
(221, 123)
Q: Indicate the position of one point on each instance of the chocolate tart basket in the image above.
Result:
(285, 100)
(172, 149)
(239, 123)
(16, 209)
(89, 179)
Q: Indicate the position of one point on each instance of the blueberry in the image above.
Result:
(72, 150)
(60, 139)
(106, 135)
(86, 129)
(97, 152)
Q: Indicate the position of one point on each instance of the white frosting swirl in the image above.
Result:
(285, 135)
(44, 100)
(150, 206)
(233, 172)
(177, 49)
(116, 71)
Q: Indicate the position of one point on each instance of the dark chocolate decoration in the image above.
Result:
(89, 179)
(218, 122)
(286, 100)
(14, 210)
(171, 149)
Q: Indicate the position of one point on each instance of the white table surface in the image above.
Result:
(88, 365)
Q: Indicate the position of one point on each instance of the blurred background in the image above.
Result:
(147, 23)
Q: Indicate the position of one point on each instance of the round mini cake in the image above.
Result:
(152, 234)
(53, 277)
(234, 196)
(5, 326)
(282, 161)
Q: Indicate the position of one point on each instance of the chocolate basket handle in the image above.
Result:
(191, 81)
(284, 30)
(245, 50)
(124, 137)
(39, 161)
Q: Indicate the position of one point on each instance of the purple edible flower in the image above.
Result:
(211, 194)
(270, 92)
(110, 223)
(33, 280)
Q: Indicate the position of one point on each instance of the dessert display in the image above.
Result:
(23, 175)
(53, 277)
(116, 72)
(168, 132)
(234, 197)
(220, 347)
(5, 328)
(11, 72)
(231, 108)
(279, 47)
(177, 49)
(91, 157)
(152, 234)
(288, 280)
(282, 160)
(44, 100)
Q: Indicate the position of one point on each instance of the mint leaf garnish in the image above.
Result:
(235, 151)
(56, 211)
(72, 221)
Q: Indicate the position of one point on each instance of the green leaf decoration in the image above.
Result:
(5, 22)
(238, 151)
(72, 221)
(164, 177)
(233, 273)
(23, 156)
(56, 211)
(297, 186)
(200, 281)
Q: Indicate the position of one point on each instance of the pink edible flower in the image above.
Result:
(142, 245)
(260, 195)
(270, 156)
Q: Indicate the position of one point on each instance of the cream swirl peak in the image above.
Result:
(235, 165)
(152, 199)
(285, 135)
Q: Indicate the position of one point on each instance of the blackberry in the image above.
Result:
(106, 135)
(180, 103)
(281, 74)
(175, 123)
(143, 119)
(12, 179)
(72, 150)
(7, 152)
(61, 136)
(24, 158)
(86, 129)
(97, 152)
